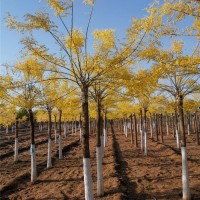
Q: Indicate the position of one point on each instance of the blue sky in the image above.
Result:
(115, 14)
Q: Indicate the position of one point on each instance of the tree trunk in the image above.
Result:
(94, 125)
(72, 127)
(102, 137)
(32, 149)
(132, 140)
(49, 159)
(151, 127)
(145, 131)
(121, 125)
(192, 124)
(161, 128)
(185, 176)
(89, 126)
(196, 128)
(65, 129)
(55, 127)
(167, 124)
(125, 126)
(105, 129)
(173, 125)
(16, 140)
(98, 138)
(141, 131)
(80, 128)
(86, 148)
(60, 136)
(75, 126)
(156, 126)
(135, 130)
(188, 123)
(100, 190)
(177, 132)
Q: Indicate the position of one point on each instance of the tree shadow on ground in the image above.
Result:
(126, 185)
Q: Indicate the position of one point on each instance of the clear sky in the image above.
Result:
(115, 14)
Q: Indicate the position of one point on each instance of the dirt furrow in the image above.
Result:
(155, 176)
(65, 179)
(127, 186)
(24, 145)
(22, 136)
(10, 171)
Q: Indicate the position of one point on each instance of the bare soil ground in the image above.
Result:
(157, 175)
(7, 141)
(64, 180)
(128, 173)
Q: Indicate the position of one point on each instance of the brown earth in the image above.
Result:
(128, 173)
(157, 175)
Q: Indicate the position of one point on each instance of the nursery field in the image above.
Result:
(127, 172)
(100, 100)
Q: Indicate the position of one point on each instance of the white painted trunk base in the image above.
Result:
(16, 150)
(60, 147)
(49, 159)
(141, 139)
(177, 139)
(33, 163)
(145, 143)
(87, 179)
(151, 130)
(100, 188)
(188, 128)
(185, 176)
(102, 146)
(126, 131)
(167, 129)
(80, 134)
(65, 131)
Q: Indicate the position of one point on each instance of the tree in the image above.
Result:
(174, 12)
(47, 100)
(24, 94)
(141, 87)
(182, 80)
(77, 65)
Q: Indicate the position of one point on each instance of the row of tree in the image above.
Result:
(72, 77)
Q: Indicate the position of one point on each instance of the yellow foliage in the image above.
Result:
(41, 116)
(75, 41)
(37, 21)
(191, 105)
(57, 6)
(88, 2)
(105, 39)
(31, 69)
(177, 46)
